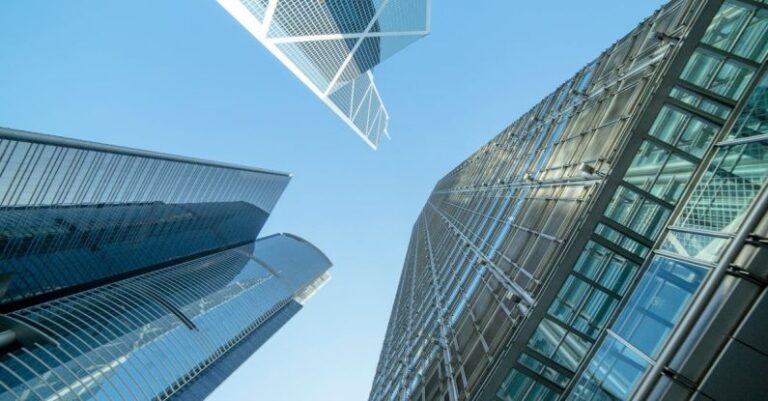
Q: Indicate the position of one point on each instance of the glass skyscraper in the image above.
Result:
(332, 45)
(610, 244)
(133, 275)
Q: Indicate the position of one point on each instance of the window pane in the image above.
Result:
(731, 182)
(612, 373)
(697, 246)
(697, 137)
(547, 337)
(673, 179)
(623, 205)
(726, 26)
(706, 105)
(753, 43)
(668, 124)
(701, 68)
(592, 260)
(646, 166)
(727, 78)
(732, 79)
(650, 219)
(658, 302)
(754, 119)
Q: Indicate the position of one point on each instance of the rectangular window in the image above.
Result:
(685, 131)
(700, 102)
(739, 29)
(753, 120)
(658, 303)
(723, 195)
(636, 212)
(517, 386)
(612, 374)
(621, 240)
(717, 74)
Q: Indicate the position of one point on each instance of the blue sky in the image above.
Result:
(183, 77)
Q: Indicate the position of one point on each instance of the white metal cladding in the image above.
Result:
(332, 45)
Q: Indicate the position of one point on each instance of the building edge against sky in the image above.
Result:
(610, 244)
(331, 47)
(134, 275)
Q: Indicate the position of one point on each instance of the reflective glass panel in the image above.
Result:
(658, 302)
(612, 373)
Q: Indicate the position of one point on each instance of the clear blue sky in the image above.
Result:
(181, 76)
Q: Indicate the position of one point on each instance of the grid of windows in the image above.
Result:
(495, 231)
(711, 214)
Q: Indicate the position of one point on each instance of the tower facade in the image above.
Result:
(133, 275)
(331, 46)
(610, 243)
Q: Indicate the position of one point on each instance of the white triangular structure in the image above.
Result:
(332, 45)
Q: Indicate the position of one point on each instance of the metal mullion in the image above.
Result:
(90, 304)
(42, 380)
(141, 316)
(647, 195)
(99, 305)
(709, 233)
(742, 141)
(153, 315)
(17, 173)
(731, 56)
(705, 92)
(74, 375)
(63, 310)
(57, 159)
(538, 378)
(52, 371)
(85, 355)
(22, 381)
(696, 112)
(626, 231)
(617, 249)
(593, 283)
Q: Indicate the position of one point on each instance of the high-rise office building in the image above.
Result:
(133, 275)
(332, 45)
(610, 244)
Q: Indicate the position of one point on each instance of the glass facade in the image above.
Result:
(331, 46)
(145, 337)
(557, 261)
(73, 213)
(130, 275)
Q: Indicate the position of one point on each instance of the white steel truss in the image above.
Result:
(332, 45)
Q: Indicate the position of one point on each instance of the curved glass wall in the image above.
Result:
(145, 337)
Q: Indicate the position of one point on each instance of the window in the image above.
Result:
(717, 74)
(685, 131)
(705, 105)
(564, 347)
(659, 172)
(753, 120)
(517, 386)
(658, 302)
(637, 213)
(739, 29)
(612, 374)
(724, 194)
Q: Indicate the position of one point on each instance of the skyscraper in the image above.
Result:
(133, 275)
(610, 244)
(331, 46)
